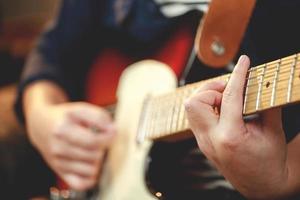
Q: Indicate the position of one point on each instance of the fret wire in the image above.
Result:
(282, 95)
(151, 117)
(283, 67)
(185, 96)
(144, 121)
(168, 114)
(259, 88)
(281, 99)
(181, 115)
(291, 80)
(163, 116)
(155, 119)
(269, 94)
(280, 90)
(289, 58)
(246, 91)
(176, 114)
(153, 125)
(272, 66)
(181, 110)
(285, 76)
(279, 81)
(147, 118)
(279, 96)
(283, 72)
(155, 114)
(178, 100)
(275, 84)
(171, 113)
(227, 76)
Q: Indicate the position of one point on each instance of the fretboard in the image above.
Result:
(269, 85)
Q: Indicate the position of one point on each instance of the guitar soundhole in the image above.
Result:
(268, 84)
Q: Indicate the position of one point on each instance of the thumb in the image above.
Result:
(272, 118)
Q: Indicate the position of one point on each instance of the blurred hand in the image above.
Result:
(66, 137)
(251, 155)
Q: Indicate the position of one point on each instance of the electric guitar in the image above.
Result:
(104, 74)
(150, 108)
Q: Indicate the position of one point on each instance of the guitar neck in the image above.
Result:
(269, 85)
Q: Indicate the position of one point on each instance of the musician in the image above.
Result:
(72, 135)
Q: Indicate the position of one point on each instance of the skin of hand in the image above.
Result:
(64, 133)
(252, 155)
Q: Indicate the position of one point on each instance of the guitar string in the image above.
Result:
(278, 89)
(177, 93)
(268, 97)
(269, 68)
(270, 74)
(249, 110)
(248, 86)
(185, 126)
(267, 84)
(282, 101)
(278, 99)
(198, 84)
(264, 91)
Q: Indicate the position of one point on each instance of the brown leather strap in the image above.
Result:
(221, 31)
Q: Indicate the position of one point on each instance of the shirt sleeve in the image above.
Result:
(60, 51)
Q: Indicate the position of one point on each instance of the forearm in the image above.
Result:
(292, 185)
(289, 184)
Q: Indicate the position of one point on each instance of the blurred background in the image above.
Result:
(21, 21)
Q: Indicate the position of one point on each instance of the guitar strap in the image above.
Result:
(221, 31)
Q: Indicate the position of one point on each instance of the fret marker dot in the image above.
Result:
(268, 84)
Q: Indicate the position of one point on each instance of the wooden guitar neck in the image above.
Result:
(269, 85)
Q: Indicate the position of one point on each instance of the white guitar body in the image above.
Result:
(123, 176)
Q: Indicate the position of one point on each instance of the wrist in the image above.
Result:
(274, 188)
(42, 94)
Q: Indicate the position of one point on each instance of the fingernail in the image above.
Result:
(242, 59)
